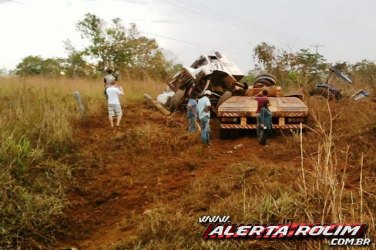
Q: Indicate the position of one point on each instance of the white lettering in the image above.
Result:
(350, 242)
(243, 230)
(283, 230)
(218, 231)
(327, 228)
(303, 230)
(270, 230)
(256, 230)
(338, 230)
(227, 231)
(316, 230)
(333, 242)
(350, 229)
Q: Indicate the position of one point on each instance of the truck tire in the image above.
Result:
(322, 91)
(265, 77)
(266, 74)
(176, 99)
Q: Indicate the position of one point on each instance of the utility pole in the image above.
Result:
(316, 56)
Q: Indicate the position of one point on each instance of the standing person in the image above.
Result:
(264, 123)
(192, 113)
(108, 80)
(203, 107)
(114, 108)
(261, 98)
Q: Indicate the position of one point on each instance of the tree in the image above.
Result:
(289, 68)
(121, 48)
(308, 65)
(75, 65)
(366, 71)
(277, 62)
(29, 66)
(36, 65)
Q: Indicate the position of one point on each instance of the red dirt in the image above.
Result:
(113, 185)
(103, 194)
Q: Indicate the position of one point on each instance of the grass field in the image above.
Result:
(47, 150)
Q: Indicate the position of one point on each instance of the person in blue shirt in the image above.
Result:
(204, 107)
(192, 113)
(264, 123)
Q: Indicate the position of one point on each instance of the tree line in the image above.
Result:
(304, 67)
(108, 45)
(136, 56)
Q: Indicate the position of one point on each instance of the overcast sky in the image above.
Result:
(344, 29)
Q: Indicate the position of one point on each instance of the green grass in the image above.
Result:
(38, 122)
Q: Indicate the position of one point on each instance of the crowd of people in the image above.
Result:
(200, 110)
(197, 110)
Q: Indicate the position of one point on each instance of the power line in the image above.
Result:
(243, 22)
(191, 43)
(204, 10)
(200, 11)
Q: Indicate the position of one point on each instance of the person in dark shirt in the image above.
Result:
(261, 98)
(264, 123)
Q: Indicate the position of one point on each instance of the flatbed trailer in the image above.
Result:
(239, 112)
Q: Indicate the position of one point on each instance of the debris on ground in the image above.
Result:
(360, 95)
(238, 146)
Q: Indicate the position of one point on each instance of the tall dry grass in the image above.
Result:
(325, 175)
(38, 122)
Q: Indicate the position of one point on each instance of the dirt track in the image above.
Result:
(114, 184)
(123, 175)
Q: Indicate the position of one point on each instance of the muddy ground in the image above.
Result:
(121, 174)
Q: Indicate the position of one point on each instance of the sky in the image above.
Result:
(343, 29)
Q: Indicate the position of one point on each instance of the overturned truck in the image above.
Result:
(234, 103)
(214, 72)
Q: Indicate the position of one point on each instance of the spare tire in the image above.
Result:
(176, 99)
(266, 74)
(266, 79)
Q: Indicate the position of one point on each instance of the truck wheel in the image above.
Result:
(223, 98)
(265, 77)
(324, 93)
(176, 99)
(266, 74)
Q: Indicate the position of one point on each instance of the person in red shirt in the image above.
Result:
(261, 98)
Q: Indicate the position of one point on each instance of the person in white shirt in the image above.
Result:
(114, 109)
(203, 107)
(108, 79)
